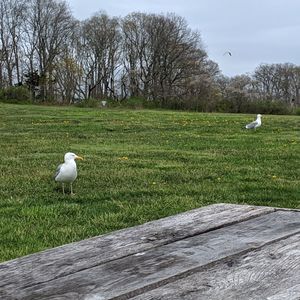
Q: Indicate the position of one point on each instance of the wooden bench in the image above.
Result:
(222, 251)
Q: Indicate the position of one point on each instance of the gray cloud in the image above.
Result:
(257, 31)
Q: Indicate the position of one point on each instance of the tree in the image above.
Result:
(32, 80)
(67, 76)
(100, 50)
(280, 82)
(161, 55)
(49, 25)
(12, 16)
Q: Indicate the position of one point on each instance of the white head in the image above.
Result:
(259, 116)
(71, 156)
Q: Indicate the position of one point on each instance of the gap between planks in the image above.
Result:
(259, 212)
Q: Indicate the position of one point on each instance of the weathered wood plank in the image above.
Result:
(71, 258)
(135, 274)
(292, 293)
(271, 273)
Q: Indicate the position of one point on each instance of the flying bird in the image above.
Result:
(228, 52)
(255, 124)
(67, 172)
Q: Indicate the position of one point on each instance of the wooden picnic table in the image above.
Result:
(222, 251)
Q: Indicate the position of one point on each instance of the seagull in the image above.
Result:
(254, 124)
(67, 172)
(228, 52)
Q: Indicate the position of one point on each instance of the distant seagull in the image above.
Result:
(67, 172)
(228, 52)
(255, 124)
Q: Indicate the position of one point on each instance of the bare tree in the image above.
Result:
(68, 75)
(153, 56)
(100, 47)
(49, 25)
(295, 83)
(134, 41)
(161, 54)
(279, 82)
(12, 14)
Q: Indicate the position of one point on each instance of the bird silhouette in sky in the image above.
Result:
(228, 52)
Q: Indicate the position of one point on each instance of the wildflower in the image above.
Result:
(123, 158)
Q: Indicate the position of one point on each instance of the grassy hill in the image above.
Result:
(139, 165)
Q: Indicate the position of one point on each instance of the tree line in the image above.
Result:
(154, 57)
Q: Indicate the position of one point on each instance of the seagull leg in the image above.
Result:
(63, 188)
(72, 194)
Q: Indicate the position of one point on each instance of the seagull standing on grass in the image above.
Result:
(67, 172)
(254, 124)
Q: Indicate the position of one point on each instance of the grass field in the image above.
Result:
(139, 165)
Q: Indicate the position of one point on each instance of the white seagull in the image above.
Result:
(255, 124)
(67, 172)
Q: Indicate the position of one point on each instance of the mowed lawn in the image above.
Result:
(139, 165)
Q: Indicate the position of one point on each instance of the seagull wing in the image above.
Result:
(57, 171)
(252, 125)
(228, 52)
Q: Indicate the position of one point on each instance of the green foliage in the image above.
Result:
(132, 103)
(32, 79)
(238, 103)
(224, 105)
(89, 103)
(139, 165)
(253, 107)
(135, 103)
(267, 107)
(297, 111)
(15, 94)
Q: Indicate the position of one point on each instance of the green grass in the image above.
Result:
(139, 166)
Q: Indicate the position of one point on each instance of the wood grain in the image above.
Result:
(148, 269)
(271, 272)
(68, 259)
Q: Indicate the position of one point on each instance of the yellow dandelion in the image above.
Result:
(123, 158)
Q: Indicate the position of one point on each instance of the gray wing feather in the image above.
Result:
(57, 171)
(251, 125)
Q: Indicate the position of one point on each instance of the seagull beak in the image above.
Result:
(78, 157)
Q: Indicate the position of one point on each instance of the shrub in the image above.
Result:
(15, 94)
(253, 107)
(133, 103)
(297, 111)
(267, 107)
(89, 103)
(224, 105)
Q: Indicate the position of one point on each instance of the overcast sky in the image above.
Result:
(254, 31)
